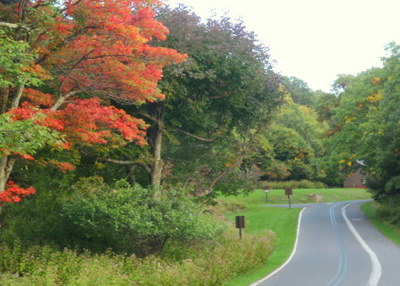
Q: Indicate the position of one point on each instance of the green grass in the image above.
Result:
(300, 196)
(282, 221)
(390, 231)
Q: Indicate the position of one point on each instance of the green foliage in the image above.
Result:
(15, 61)
(291, 148)
(324, 105)
(128, 219)
(43, 210)
(224, 89)
(303, 184)
(299, 91)
(202, 264)
(366, 131)
(24, 136)
(95, 216)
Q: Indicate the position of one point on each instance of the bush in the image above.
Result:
(128, 220)
(35, 220)
(303, 184)
(389, 210)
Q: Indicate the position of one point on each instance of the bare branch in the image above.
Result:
(10, 25)
(62, 99)
(127, 162)
(148, 116)
(193, 136)
(226, 94)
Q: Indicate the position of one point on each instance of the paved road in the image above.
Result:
(337, 246)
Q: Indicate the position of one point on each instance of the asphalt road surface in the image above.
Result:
(336, 245)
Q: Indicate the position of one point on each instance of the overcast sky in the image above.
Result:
(315, 40)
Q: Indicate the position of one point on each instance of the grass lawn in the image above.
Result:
(282, 221)
(390, 231)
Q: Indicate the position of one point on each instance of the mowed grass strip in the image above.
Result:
(391, 231)
(301, 196)
(282, 221)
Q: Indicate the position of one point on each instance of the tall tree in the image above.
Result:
(62, 62)
(292, 146)
(225, 86)
(299, 90)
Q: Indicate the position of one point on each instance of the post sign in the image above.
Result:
(239, 221)
(288, 193)
(266, 191)
(240, 224)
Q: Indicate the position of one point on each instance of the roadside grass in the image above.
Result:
(392, 232)
(300, 196)
(201, 263)
(282, 221)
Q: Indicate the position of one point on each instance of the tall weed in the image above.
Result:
(204, 264)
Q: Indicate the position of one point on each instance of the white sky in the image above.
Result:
(315, 40)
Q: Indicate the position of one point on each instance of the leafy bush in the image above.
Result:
(127, 219)
(92, 215)
(202, 264)
(35, 220)
(303, 184)
(389, 210)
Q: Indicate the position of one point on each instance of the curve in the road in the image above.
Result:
(376, 272)
(338, 238)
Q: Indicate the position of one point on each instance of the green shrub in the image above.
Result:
(34, 220)
(303, 184)
(389, 210)
(128, 220)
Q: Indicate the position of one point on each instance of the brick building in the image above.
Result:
(354, 180)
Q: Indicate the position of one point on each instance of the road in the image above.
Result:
(336, 245)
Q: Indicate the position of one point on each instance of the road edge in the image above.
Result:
(290, 257)
(376, 272)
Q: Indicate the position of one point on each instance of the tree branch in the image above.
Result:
(226, 94)
(10, 25)
(127, 162)
(193, 136)
(17, 98)
(148, 116)
(62, 99)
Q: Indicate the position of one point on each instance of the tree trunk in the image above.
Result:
(156, 172)
(154, 138)
(5, 93)
(6, 166)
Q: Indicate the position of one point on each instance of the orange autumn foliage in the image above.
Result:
(14, 193)
(90, 53)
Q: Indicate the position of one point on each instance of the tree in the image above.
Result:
(381, 134)
(292, 145)
(324, 105)
(63, 62)
(351, 119)
(225, 86)
(299, 90)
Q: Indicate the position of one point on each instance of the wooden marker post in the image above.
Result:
(240, 224)
(288, 193)
(266, 191)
